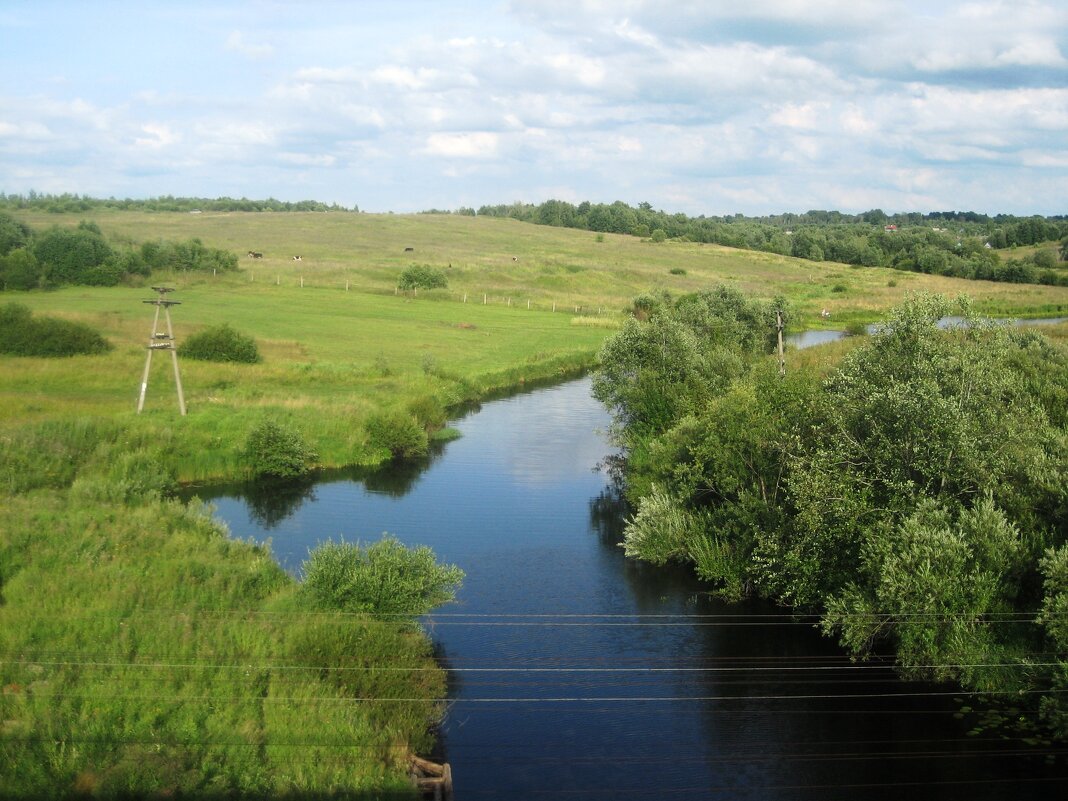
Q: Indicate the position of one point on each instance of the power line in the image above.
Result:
(528, 670)
(546, 700)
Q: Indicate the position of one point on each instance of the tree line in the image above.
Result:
(67, 203)
(31, 259)
(956, 244)
(914, 496)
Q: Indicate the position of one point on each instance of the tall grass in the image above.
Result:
(174, 660)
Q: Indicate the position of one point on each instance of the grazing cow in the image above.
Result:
(409, 250)
(296, 258)
(252, 254)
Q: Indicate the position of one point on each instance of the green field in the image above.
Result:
(558, 266)
(142, 650)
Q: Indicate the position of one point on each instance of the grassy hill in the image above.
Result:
(503, 258)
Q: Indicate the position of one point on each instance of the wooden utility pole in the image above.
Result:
(162, 340)
(778, 330)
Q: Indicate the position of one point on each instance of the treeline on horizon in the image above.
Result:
(958, 244)
(67, 203)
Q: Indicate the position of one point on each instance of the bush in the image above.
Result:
(19, 270)
(274, 451)
(422, 276)
(13, 234)
(677, 271)
(189, 256)
(397, 432)
(69, 256)
(23, 335)
(659, 235)
(385, 578)
(221, 343)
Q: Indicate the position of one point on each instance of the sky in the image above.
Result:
(701, 107)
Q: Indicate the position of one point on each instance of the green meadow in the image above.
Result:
(143, 651)
(503, 259)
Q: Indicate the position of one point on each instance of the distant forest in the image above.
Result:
(73, 204)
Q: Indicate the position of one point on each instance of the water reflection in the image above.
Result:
(609, 511)
(271, 502)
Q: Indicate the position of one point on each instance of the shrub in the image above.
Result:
(385, 577)
(69, 256)
(397, 432)
(221, 343)
(422, 276)
(191, 255)
(839, 288)
(19, 270)
(21, 334)
(677, 271)
(275, 451)
(659, 235)
(13, 234)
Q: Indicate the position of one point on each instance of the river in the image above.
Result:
(577, 673)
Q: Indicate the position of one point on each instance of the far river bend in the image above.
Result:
(580, 674)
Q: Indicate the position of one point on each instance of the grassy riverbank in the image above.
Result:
(143, 650)
(329, 359)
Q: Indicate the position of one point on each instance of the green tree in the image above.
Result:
(71, 256)
(930, 584)
(19, 270)
(13, 234)
(915, 413)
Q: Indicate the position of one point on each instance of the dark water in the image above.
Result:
(580, 674)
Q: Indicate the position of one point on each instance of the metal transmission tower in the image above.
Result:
(162, 341)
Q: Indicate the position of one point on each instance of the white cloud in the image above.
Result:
(236, 42)
(156, 136)
(477, 145)
(308, 159)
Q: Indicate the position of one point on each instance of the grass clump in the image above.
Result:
(276, 451)
(22, 334)
(221, 343)
(383, 578)
(422, 276)
(397, 432)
